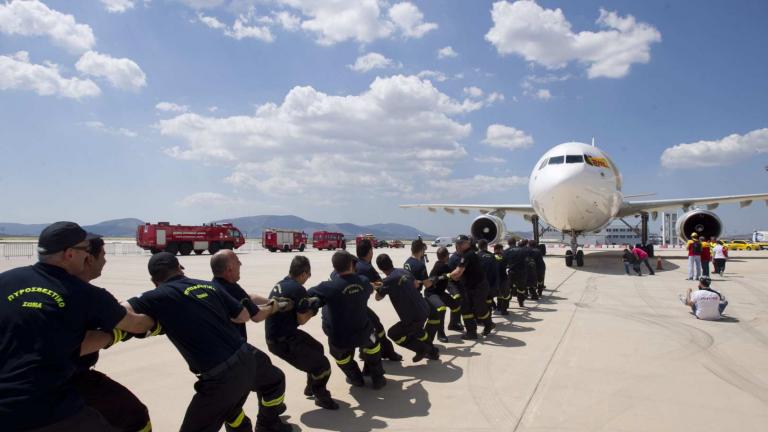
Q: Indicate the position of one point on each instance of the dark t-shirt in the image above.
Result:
(473, 275)
(44, 313)
(345, 316)
(516, 259)
(238, 293)
(196, 318)
(488, 263)
(284, 324)
(364, 268)
(417, 268)
(440, 268)
(406, 299)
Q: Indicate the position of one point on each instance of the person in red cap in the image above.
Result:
(45, 316)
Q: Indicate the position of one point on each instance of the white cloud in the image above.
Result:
(122, 73)
(208, 199)
(490, 160)
(240, 29)
(474, 92)
(432, 75)
(507, 137)
(101, 127)
(409, 19)
(726, 151)
(33, 18)
(16, 72)
(473, 186)
(335, 21)
(202, 4)
(493, 98)
(543, 94)
(213, 108)
(171, 107)
(389, 139)
(288, 20)
(446, 52)
(544, 36)
(117, 6)
(371, 61)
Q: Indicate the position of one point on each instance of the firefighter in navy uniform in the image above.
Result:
(225, 266)
(502, 301)
(412, 309)
(437, 293)
(456, 290)
(197, 318)
(118, 405)
(295, 346)
(541, 266)
(517, 264)
(346, 322)
(490, 267)
(416, 267)
(530, 280)
(45, 314)
(363, 267)
(473, 306)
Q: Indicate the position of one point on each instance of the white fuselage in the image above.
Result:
(575, 187)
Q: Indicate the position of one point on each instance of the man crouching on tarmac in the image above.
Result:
(410, 306)
(344, 301)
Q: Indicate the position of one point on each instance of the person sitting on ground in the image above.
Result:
(630, 259)
(706, 303)
(642, 257)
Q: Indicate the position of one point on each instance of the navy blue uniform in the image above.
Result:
(541, 269)
(298, 348)
(516, 259)
(365, 268)
(473, 306)
(347, 324)
(490, 267)
(503, 283)
(417, 268)
(238, 293)
(413, 311)
(530, 281)
(196, 317)
(44, 314)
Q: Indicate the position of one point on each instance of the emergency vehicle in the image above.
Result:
(328, 240)
(274, 239)
(370, 237)
(185, 239)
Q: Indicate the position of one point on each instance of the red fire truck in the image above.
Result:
(328, 240)
(371, 237)
(285, 240)
(184, 239)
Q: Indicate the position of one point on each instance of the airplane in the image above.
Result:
(575, 188)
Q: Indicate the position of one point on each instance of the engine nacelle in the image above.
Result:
(488, 227)
(703, 222)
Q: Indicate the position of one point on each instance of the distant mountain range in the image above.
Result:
(252, 226)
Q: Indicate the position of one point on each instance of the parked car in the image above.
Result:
(443, 241)
(382, 244)
(396, 244)
(741, 245)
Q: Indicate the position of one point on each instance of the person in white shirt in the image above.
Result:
(720, 255)
(706, 303)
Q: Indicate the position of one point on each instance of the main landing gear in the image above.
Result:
(574, 252)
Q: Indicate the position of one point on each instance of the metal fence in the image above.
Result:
(28, 249)
(18, 249)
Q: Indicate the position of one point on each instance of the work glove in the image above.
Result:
(309, 304)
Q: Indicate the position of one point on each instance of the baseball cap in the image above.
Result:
(705, 280)
(694, 235)
(461, 238)
(60, 236)
(162, 262)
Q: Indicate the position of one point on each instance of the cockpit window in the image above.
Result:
(556, 160)
(574, 159)
(543, 163)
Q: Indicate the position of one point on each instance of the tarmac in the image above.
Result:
(601, 351)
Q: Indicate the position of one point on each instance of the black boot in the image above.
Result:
(244, 425)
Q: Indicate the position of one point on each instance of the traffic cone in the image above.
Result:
(658, 264)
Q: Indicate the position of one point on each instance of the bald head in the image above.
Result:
(226, 265)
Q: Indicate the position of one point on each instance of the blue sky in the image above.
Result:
(338, 111)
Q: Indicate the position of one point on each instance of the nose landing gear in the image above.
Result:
(574, 252)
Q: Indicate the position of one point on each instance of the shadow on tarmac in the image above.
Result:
(398, 399)
(610, 263)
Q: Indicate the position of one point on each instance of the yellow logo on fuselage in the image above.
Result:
(597, 161)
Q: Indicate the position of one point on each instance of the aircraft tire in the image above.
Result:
(580, 258)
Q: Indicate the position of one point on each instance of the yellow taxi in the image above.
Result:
(741, 245)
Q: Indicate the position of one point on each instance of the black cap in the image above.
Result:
(162, 262)
(60, 236)
(705, 280)
(461, 238)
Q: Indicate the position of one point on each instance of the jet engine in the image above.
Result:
(488, 227)
(703, 222)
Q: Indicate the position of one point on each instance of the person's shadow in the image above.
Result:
(442, 371)
(398, 399)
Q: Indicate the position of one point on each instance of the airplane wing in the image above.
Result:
(630, 208)
(523, 209)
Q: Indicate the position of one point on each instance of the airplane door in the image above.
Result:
(161, 237)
